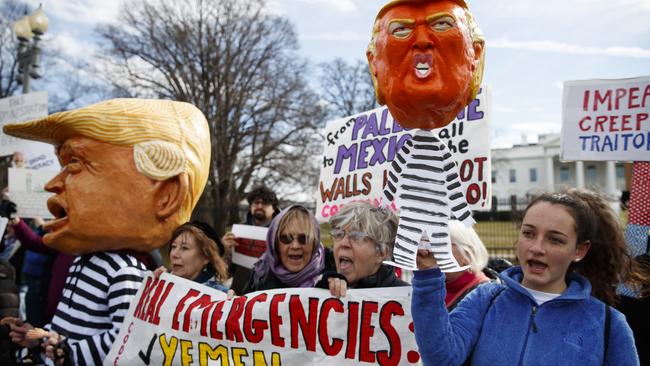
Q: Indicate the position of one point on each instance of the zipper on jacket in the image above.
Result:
(533, 325)
(532, 318)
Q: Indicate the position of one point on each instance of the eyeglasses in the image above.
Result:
(288, 238)
(354, 236)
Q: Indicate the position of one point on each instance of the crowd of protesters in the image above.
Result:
(571, 256)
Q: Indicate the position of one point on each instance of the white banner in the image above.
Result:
(173, 321)
(22, 108)
(606, 120)
(359, 149)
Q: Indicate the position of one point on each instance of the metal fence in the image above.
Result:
(498, 227)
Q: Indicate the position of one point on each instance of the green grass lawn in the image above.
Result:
(495, 234)
(499, 237)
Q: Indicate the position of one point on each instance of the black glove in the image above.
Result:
(7, 208)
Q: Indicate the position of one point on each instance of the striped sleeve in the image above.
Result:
(122, 285)
(394, 170)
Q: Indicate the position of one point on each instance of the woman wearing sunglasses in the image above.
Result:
(363, 237)
(294, 256)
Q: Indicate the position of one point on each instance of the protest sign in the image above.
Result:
(359, 149)
(21, 108)
(3, 224)
(27, 190)
(11, 246)
(606, 120)
(251, 244)
(173, 321)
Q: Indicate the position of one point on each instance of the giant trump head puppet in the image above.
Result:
(426, 60)
(132, 171)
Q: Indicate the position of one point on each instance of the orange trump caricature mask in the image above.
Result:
(132, 171)
(426, 60)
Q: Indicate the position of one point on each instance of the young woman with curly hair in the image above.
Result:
(552, 308)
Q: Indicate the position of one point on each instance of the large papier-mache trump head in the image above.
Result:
(426, 60)
(132, 170)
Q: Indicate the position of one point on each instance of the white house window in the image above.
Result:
(564, 174)
(513, 176)
(533, 174)
(620, 171)
(592, 174)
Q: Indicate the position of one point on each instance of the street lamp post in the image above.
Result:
(30, 27)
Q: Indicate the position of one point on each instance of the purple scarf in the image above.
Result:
(308, 276)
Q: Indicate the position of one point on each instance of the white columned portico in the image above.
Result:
(610, 178)
(610, 186)
(550, 179)
(580, 174)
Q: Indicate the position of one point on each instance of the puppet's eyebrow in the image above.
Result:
(71, 148)
(433, 17)
(401, 21)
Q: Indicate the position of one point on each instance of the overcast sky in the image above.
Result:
(532, 46)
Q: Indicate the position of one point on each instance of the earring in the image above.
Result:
(577, 260)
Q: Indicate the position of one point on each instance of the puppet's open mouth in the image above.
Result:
(422, 70)
(423, 63)
(56, 209)
(59, 213)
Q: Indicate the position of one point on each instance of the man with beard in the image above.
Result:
(263, 206)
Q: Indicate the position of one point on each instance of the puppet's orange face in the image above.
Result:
(424, 62)
(100, 202)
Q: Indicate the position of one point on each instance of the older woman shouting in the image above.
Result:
(294, 257)
(363, 237)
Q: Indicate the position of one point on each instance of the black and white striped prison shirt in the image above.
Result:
(96, 298)
(424, 182)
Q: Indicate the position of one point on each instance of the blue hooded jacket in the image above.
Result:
(503, 325)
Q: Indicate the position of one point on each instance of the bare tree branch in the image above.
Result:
(239, 65)
(346, 88)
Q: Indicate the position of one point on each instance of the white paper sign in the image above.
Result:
(3, 224)
(359, 149)
(22, 108)
(606, 120)
(11, 246)
(251, 244)
(27, 190)
(173, 321)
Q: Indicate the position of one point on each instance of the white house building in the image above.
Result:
(528, 169)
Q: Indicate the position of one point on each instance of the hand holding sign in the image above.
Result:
(172, 319)
(425, 184)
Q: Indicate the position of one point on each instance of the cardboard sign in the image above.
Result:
(251, 244)
(606, 120)
(173, 321)
(359, 149)
(21, 108)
